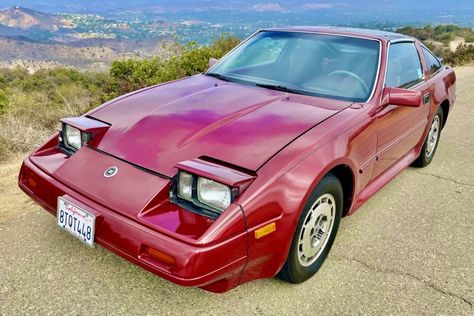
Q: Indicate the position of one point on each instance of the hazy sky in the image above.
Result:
(90, 5)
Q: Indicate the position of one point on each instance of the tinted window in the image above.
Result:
(431, 61)
(404, 66)
(337, 67)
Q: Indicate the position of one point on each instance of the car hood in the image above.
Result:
(201, 116)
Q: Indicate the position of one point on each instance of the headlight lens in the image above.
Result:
(72, 136)
(213, 194)
(205, 195)
(185, 185)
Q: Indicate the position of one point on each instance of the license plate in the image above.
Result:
(76, 221)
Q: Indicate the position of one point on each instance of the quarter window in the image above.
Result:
(431, 61)
(404, 66)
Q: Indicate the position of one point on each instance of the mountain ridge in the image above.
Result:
(26, 19)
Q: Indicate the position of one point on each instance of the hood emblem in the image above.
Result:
(110, 172)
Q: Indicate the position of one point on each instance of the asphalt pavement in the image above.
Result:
(408, 250)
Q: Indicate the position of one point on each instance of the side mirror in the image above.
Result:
(212, 62)
(401, 97)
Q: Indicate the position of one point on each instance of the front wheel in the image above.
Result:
(431, 142)
(315, 232)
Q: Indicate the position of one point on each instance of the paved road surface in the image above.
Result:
(408, 250)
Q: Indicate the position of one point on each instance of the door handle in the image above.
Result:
(426, 98)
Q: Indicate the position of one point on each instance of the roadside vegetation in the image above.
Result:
(453, 43)
(130, 75)
(442, 33)
(32, 104)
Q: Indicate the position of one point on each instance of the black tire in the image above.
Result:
(293, 270)
(426, 155)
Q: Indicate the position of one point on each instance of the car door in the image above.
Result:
(399, 129)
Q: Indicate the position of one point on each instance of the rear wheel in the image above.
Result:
(431, 142)
(315, 232)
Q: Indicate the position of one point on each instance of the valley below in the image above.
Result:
(96, 55)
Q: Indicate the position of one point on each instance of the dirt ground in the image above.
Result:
(408, 250)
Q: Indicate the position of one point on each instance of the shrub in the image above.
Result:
(464, 54)
(132, 74)
(31, 105)
(445, 34)
(470, 39)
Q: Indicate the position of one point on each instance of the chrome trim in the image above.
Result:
(401, 40)
(315, 32)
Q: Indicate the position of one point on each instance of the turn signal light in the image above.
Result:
(160, 256)
(265, 230)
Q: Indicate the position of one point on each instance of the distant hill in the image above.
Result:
(10, 31)
(27, 19)
(95, 55)
(36, 40)
(89, 34)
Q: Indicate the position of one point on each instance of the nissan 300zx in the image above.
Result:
(244, 172)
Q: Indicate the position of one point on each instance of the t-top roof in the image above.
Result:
(391, 36)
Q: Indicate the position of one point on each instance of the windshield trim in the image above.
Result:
(377, 75)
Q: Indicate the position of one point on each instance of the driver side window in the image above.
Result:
(404, 66)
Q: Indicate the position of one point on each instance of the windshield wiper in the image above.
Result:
(277, 87)
(218, 76)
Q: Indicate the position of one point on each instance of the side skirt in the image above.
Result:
(376, 184)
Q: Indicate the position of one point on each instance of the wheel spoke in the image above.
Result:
(433, 135)
(316, 229)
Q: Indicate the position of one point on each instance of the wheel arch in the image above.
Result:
(345, 175)
(445, 107)
(342, 168)
(266, 204)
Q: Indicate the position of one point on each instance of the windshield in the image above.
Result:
(337, 67)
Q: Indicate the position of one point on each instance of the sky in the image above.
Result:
(270, 5)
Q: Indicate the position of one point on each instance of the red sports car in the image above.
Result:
(245, 171)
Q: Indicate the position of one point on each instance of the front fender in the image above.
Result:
(279, 197)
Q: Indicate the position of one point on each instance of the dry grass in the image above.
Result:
(33, 118)
(5, 151)
(13, 201)
(18, 135)
(36, 103)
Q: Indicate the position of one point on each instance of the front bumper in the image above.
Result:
(213, 266)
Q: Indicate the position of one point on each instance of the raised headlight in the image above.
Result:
(202, 195)
(185, 185)
(213, 194)
(72, 138)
